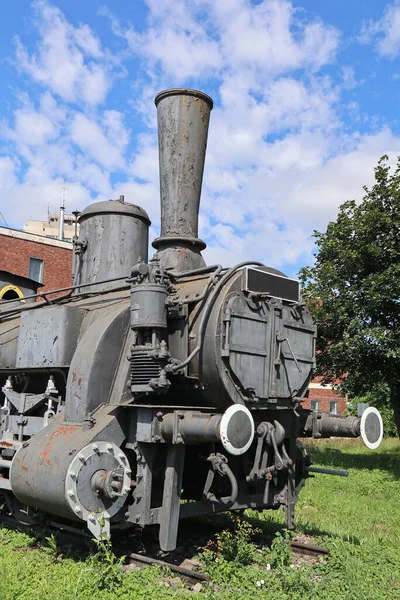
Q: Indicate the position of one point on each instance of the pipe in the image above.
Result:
(183, 117)
(61, 223)
(200, 271)
(227, 501)
(33, 305)
(323, 471)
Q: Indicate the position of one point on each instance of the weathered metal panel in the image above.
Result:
(9, 331)
(94, 364)
(48, 337)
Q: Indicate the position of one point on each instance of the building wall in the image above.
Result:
(17, 247)
(324, 395)
(50, 228)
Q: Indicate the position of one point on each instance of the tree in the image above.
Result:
(354, 291)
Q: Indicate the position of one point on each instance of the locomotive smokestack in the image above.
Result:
(183, 118)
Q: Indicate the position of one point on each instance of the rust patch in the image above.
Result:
(48, 462)
(73, 375)
(6, 444)
(65, 431)
(79, 381)
(46, 452)
(24, 468)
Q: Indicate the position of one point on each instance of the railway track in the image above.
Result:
(173, 561)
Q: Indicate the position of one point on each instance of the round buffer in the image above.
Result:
(371, 428)
(237, 429)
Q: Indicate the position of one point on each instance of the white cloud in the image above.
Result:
(385, 32)
(7, 175)
(279, 162)
(91, 137)
(69, 61)
(263, 36)
(32, 127)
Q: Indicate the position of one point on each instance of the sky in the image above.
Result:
(306, 96)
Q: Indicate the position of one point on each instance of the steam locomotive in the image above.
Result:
(155, 390)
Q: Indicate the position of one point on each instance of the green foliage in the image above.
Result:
(51, 547)
(106, 567)
(356, 517)
(281, 555)
(232, 548)
(379, 396)
(353, 290)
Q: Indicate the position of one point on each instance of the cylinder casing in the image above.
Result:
(114, 235)
(148, 305)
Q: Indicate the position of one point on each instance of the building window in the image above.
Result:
(314, 404)
(36, 269)
(333, 407)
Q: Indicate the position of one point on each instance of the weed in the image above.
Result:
(281, 555)
(106, 566)
(50, 547)
(234, 544)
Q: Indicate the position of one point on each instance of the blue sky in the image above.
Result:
(306, 101)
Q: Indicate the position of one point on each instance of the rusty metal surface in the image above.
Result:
(147, 560)
(39, 468)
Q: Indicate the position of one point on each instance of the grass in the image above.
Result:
(357, 518)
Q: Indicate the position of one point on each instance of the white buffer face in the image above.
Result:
(237, 429)
(371, 428)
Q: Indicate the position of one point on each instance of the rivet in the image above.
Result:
(78, 509)
(110, 448)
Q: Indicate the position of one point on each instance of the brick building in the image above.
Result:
(324, 398)
(45, 260)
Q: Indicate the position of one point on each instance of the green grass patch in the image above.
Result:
(357, 518)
